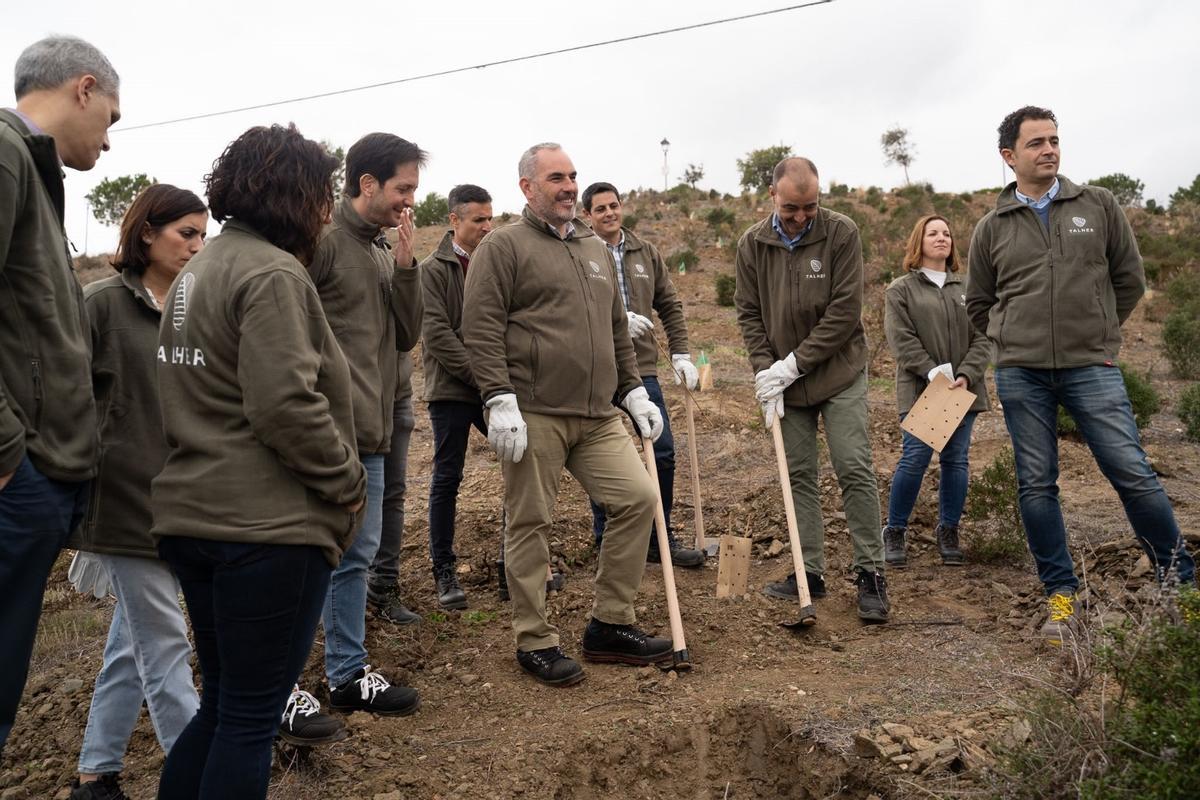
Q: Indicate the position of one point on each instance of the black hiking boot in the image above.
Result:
(680, 556)
(304, 725)
(872, 596)
(450, 594)
(106, 787)
(371, 692)
(894, 554)
(551, 666)
(947, 539)
(623, 644)
(385, 599)
(786, 588)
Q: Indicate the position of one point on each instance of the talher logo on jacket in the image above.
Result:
(596, 272)
(1080, 222)
(815, 264)
(179, 312)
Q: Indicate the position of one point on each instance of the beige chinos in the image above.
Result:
(602, 457)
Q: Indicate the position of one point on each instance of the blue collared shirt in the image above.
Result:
(1042, 205)
(792, 242)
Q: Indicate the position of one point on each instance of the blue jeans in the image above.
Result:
(254, 611)
(146, 658)
(385, 563)
(664, 461)
(915, 456)
(452, 422)
(1096, 399)
(345, 614)
(37, 514)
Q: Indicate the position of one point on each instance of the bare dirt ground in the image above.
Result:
(913, 708)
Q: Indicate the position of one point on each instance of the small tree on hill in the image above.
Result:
(1127, 190)
(433, 210)
(693, 174)
(758, 166)
(339, 174)
(897, 149)
(1186, 194)
(112, 196)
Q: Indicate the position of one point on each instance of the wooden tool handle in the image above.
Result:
(664, 552)
(789, 510)
(701, 544)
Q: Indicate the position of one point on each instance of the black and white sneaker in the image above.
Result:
(550, 665)
(371, 692)
(623, 644)
(304, 725)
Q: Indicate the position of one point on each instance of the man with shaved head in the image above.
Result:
(799, 305)
(67, 97)
(549, 349)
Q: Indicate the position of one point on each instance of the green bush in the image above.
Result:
(997, 535)
(1153, 747)
(1184, 291)
(838, 190)
(433, 210)
(631, 221)
(1189, 412)
(725, 285)
(687, 257)
(1181, 341)
(1142, 396)
(720, 218)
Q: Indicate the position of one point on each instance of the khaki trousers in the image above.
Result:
(847, 433)
(601, 456)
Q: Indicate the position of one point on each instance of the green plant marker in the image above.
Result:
(682, 267)
(702, 360)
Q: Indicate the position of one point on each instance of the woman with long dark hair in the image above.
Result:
(928, 331)
(146, 656)
(262, 486)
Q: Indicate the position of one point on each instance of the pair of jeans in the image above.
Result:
(146, 658)
(451, 421)
(345, 614)
(664, 462)
(848, 437)
(1096, 399)
(385, 563)
(915, 456)
(37, 514)
(254, 611)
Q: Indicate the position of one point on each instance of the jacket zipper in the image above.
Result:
(36, 365)
(1053, 323)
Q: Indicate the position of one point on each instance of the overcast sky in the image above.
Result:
(826, 80)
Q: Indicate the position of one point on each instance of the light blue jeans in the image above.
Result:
(345, 614)
(146, 658)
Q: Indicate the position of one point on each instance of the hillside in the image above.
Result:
(917, 708)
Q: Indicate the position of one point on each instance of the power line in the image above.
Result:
(443, 73)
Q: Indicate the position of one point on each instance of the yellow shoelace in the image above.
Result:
(1061, 607)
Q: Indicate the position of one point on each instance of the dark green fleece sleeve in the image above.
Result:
(283, 333)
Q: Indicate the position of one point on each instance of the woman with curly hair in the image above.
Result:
(928, 331)
(262, 486)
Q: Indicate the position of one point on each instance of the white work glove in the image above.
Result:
(88, 575)
(772, 410)
(506, 427)
(945, 369)
(772, 381)
(683, 365)
(645, 413)
(638, 325)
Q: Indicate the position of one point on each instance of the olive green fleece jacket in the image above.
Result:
(806, 301)
(1054, 299)
(46, 406)
(927, 325)
(124, 336)
(651, 290)
(374, 307)
(256, 403)
(447, 366)
(546, 322)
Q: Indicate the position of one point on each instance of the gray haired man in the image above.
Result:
(67, 97)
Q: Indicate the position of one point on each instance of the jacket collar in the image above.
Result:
(951, 277)
(346, 218)
(135, 284)
(445, 250)
(44, 153)
(1007, 201)
(582, 231)
(767, 235)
